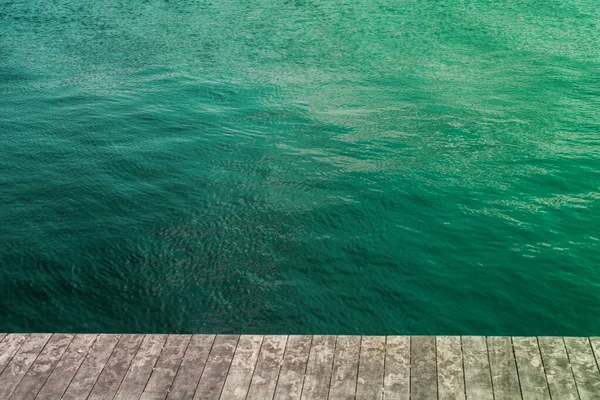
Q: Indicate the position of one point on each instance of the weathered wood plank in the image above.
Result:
(166, 367)
(371, 368)
(423, 376)
(450, 373)
(242, 367)
(2, 335)
(504, 368)
(141, 367)
(530, 368)
(291, 374)
(585, 368)
(318, 370)
(9, 347)
(67, 367)
(216, 369)
(478, 379)
(345, 368)
(83, 382)
(21, 362)
(396, 379)
(267, 368)
(42, 367)
(116, 367)
(558, 370)
(191, 367)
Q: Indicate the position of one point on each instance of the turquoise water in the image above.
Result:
(300, 166)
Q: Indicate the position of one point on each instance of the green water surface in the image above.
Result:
(354, 166)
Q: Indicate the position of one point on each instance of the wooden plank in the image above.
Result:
(21, 362)
(345, 368)
(83, 382)
(504, 368)
(396, 379)
(267, 368)
(42, 367)
(141, 367)
(216, 369)
(115, 369)
(584, 367)
(9, 347)
(450, 373)
(530, 368)
(318, 369)
(191, 367)
(67, 367)
(478, 379)
(291, 374)
(242, 367)
(2, 335)
(371, 367)
(166, 367)
(423, 376)
(558, 370)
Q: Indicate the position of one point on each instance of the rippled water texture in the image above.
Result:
(363, 166)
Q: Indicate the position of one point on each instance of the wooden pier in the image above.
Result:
(173, 367)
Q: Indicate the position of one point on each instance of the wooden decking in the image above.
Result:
(100, 367)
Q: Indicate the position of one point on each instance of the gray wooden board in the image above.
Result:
(192, 365)
(166, 367)
(216, 368)
(242, 367)
(141, 367)
(478, 380)
(42, 367)
(423, 376)
(90, 369)
(318, 369)
(504, 368)
(450, 373)
(177, 367)
(291, 374)
(267, 368)
(371, 368)
(558, 370)
(345, 368)
(116, 367)
(9, 347)
(67, 367)
(396, 379)
(21, 362)
(585, 368)
(530, 368)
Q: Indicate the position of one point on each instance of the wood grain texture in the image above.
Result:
(21, 362)
(318, 370)
(504, 368)
(530, 368)
(423, 375)
(116, 367)
(478, 379)
(216, 368)
(585, 368)
(396, 378)
(291, 374)
(42, 367)
(67, 367)
(267, 368)
(251, 367)
(242, 368)
(371, 366)
(559, 375)
(451, 375)
(191, 368)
